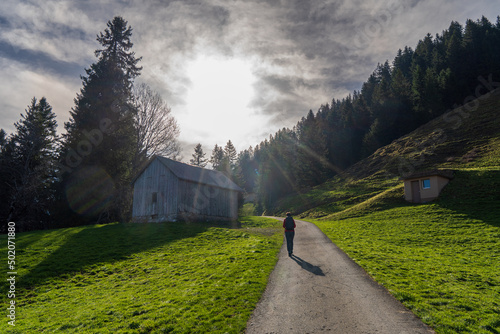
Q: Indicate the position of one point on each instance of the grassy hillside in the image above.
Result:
(463, 138)
(142, 278)
(441, 259)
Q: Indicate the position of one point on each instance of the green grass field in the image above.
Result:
(142, 278)
(441, 259)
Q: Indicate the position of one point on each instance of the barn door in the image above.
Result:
(415, 192)
(154, 203)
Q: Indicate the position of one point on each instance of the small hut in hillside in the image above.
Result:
(168, 190)
(426, 186)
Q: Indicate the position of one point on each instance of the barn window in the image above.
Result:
(154, 198)
(426, 184)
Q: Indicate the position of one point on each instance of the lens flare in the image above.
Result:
(89, 191)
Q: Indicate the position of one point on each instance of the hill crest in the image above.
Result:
(453, 140)
(462, 138)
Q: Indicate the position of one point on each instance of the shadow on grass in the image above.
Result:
(99, 244)
(385, 200)
(474, 193)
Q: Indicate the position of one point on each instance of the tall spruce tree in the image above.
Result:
(312, 152)
(217, 158)
(3, 139)
(245, 173)
(96, 162)
(231, 153)
(27, 164)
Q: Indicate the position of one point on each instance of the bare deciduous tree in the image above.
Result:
(156, 128)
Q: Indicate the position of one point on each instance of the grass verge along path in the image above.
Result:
(441, 259)
(142, 278)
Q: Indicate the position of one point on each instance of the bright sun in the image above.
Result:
(218, 101)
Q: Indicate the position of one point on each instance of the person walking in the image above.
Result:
(289, 226)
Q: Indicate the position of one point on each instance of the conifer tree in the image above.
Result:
(245, 172)
(231, 153)
(312, 152)
(217, 158)
(100, 141)
(27, 167)
(3, 139)
(198, 157)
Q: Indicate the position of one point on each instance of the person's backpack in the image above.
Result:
(289, 223)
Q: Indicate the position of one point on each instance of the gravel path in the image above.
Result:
(320, 289)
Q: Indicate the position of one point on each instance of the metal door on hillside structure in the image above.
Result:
(415, 192)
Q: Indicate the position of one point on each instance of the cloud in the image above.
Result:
(24, 84)
(54, 28)
(36, 59)
(303, 53)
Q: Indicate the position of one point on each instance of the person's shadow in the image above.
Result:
(307, 266)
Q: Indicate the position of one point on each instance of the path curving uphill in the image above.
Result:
(320, 289)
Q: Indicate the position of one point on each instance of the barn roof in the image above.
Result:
(196, 174)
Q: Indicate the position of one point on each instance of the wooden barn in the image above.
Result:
(168, 190)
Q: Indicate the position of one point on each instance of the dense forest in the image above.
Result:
(84, 176)
(441, 73)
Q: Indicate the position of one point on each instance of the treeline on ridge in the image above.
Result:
(398, 97)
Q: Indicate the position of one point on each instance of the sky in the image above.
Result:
(229, 70)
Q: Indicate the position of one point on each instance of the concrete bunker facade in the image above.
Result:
(425, 186)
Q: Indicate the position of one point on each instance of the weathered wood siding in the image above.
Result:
(167, 190)
(158, 179)
(204, 202)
